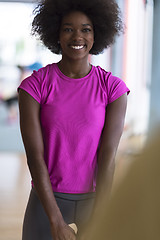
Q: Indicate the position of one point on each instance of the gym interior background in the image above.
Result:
(134, 57)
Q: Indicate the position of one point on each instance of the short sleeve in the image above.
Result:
(32, 85)
(115, 87)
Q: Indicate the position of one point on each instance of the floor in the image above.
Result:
(14, 190)
(15, 185)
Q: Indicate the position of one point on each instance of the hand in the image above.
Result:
(62, 232)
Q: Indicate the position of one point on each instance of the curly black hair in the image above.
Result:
(104, 14)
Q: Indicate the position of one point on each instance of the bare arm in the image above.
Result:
(113, 128)
(33, 142)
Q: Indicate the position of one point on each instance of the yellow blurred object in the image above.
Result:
(133, 211)
(74, 227)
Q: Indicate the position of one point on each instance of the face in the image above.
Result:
(76, 35)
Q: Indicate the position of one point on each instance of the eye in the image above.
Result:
(67, 29)
(86, 30)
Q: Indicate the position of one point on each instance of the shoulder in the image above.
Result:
(46, 70)
(39, 77)
(101, 72)
(106, 78)
(36, 83)
(112, 85)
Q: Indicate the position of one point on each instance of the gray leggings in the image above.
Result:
(74, 209)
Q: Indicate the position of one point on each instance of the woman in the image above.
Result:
(72, 117)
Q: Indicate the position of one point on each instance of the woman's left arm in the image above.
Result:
(112, 131)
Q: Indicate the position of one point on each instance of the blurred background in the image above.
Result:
(134, 57)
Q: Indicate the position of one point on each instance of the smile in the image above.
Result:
(77, 47)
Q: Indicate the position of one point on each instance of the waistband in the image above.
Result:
(72, 197)
(75, 197)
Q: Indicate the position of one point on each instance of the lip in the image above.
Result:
(77, 46)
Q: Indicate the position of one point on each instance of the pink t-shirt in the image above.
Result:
(72, 118)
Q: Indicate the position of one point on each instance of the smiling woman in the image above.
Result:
(76, 41)
(72, 117)
(104, 15)
(77, 34)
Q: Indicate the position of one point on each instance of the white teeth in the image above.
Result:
(77, 47)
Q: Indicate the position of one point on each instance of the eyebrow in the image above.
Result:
(84, 25)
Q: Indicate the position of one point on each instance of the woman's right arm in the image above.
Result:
(33, 142)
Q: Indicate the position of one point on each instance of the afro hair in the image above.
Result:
(104, 14)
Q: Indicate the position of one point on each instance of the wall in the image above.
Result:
(155, 83)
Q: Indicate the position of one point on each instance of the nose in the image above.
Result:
(77, 35)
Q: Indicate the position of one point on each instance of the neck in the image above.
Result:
(74, 69)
